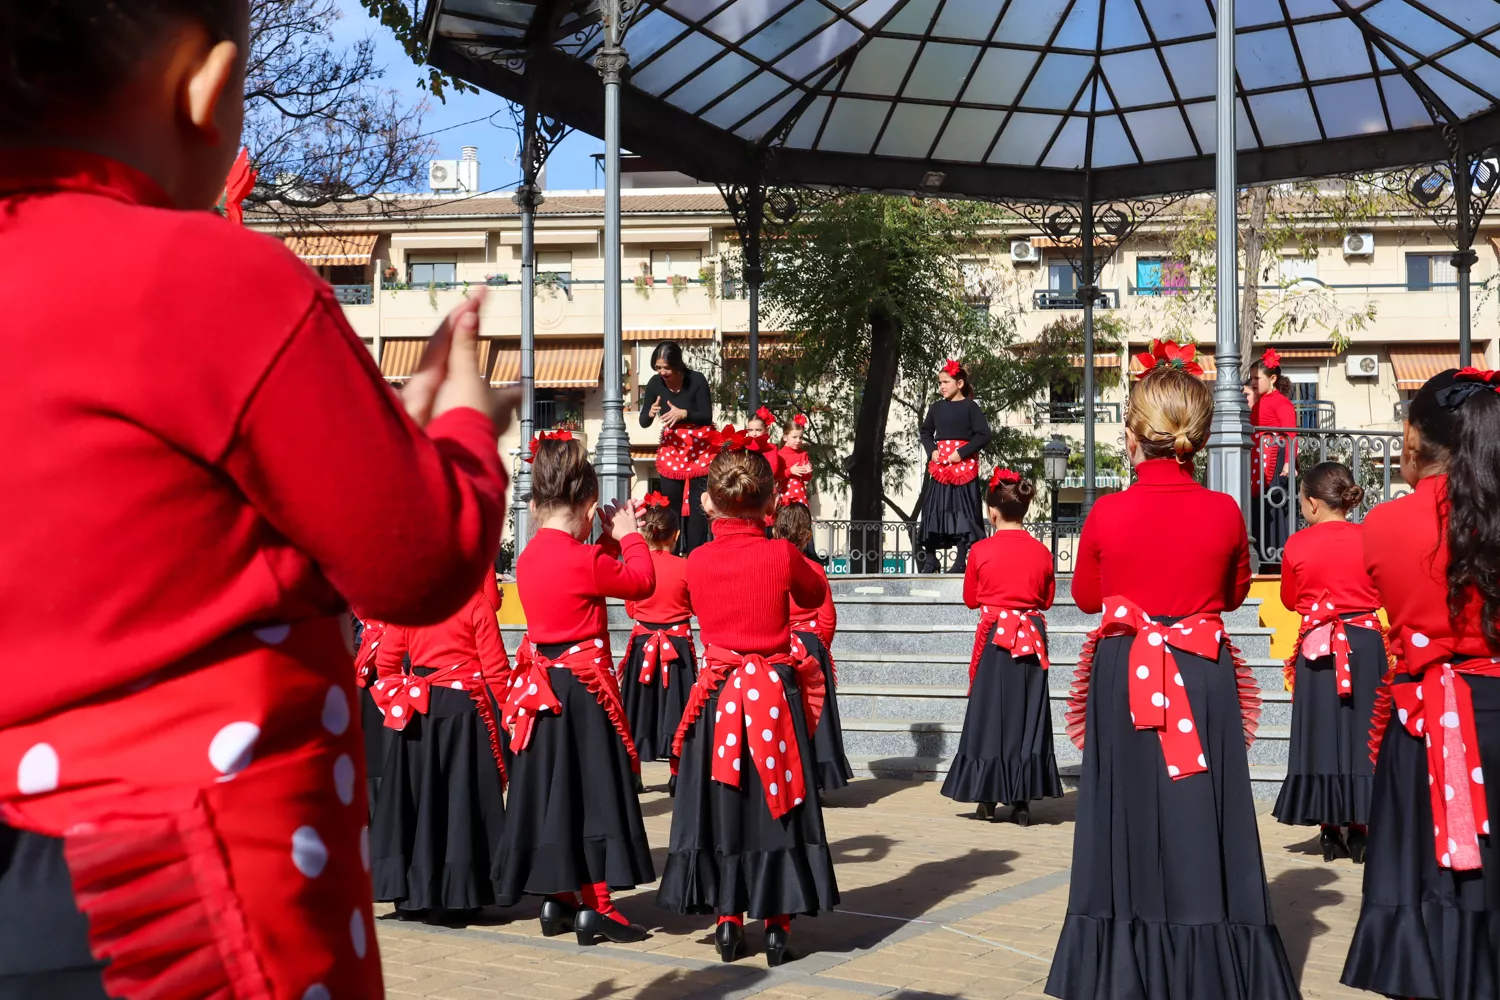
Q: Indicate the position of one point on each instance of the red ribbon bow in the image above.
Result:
(1166, 354)
(238, 186)
(765, 416)
(1271, 359)
(364, 659)
(401, 696)
(1003, 476)
(1470, 374)
(810, 626)
(1323, 632)
(951, 368)
(1016, 631)
(531, 691)
(655, 499)
(657, 653)
(537, 439)
(800, 420)
(1158, 699)
(730, 439)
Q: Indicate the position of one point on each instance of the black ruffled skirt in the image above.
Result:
(373, 722)
(573, 817)
(1168, 898)
(440, 816)
(1005, 753)
(951, 515)
(829, 761)
(654, 711)
(1426, 931)
(727, 854)
(1329, 774)
(695, 525)
(44, 952)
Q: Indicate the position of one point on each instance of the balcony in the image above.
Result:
(1054, 298)
(1072, 413)
(1315, 414)
(354, 295)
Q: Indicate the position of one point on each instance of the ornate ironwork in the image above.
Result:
(1110, 225)
(1433, 189)
(540, 136)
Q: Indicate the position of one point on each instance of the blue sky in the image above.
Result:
(571, 166)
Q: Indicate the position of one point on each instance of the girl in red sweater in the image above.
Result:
(1274, 453)
(1168, 898)
(815, 627)
(1431, 907)
(796, 465)
(439, 816)
(574, 819)
(1005, 754)
(1335, 668)
(659, 666)
(747, 830)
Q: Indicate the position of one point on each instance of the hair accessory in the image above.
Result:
(951, 368)
(730, 439)
(241, 182)
(655, 499)
(536, 441)
(800, 420)
(1467, 382)
(1166, 354)
(1003, 475)
(1271, 359)
(765, 416)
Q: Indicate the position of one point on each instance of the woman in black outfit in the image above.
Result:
(953, 434)
(679, 398)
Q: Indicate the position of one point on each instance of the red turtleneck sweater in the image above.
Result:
(1010, 569)
(1170, 545)
(563, 582)
(825, 614)
(473, 635)
(669, 602)
(1327, 557)
(743, 585)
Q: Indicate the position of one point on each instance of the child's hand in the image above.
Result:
(619, 519)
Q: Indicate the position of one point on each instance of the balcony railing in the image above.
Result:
(1052, 298)
(1072, 413)
(1316, 414)
(354, 295)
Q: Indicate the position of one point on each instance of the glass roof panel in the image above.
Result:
(805, 132)
(1332, 49)
(1194, 66)
(1080, 29)
(1284, 117)
(1111, 144)
(1136, 78)
(966, 19)
(880, 67)
(791, 28)
(746, 101)
(968, 134)
(1460, 99)
(650, 34)
(940, 72)
(1350, 108)
(1473, 17)
(1410, 26)
(741, 17)
(1405, 107)
(1123, 25)
(1171, 19)
(1475, 64)
(1205, 126)
(1057, 81)
(852, 125)
(999, 77)
(911, 130)
(818, 51)
(694, 10)
(1161, 134)
(871, 11)
(1068, 148)
(1024, 138)
(1305, 8)
(686, 56)
(1251, 13)
(1266, 59)
(1030, 23)
(913, 17)
(756, 128)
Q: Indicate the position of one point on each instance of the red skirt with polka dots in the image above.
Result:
(214, 821)
(685, 452)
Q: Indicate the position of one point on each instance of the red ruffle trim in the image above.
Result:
(161, 909)
(487, 714)
(1249, 689)
(1289, 665)
(601, 683)
(962, 474)
(814, 691)
(1380, 716)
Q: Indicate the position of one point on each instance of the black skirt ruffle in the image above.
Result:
(950, 515)
(1168, 898)
(654, 712)
(1329, 774)
(375, 732)
(1426, 931)
(573, 817)
(727, 854)
(441, 814)
(44, 952)
(830, 764)
(1005, 753)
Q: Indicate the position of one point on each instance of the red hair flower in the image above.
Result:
(1478, 375)
(765, 416)
(1003, 475)
(800, 420)
(655, 499)
(951, 368)
(1271, 359)
(1166, 354)
(536, 441)
(730, 439)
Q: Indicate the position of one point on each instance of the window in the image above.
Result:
(558, 262)
(1304, 397)
(1296, 268)
(555, 405)
(1428, 270)
(684, 263)
(1064, 391)
(1160, 276)
(432, 273)
(1060, 277)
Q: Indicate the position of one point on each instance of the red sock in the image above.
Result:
(733, 918)
(783, 921)
(596, 897)
(1358, 828)
(566, 898)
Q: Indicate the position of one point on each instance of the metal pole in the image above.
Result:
(754, 347)
(1056, 488)
(1464, 258)
(1229, 442)
(1089, 292)
(527, 197)
(612, 457)
(754, 275)
(1463, 261)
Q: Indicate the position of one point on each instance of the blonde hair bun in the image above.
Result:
(1170, 413)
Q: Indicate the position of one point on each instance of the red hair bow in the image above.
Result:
(239, 185)
(1489, 378)
(951, 368)
(1166, 354)
(655, 499)
(536, 441)
(800, 420)
(1004, 476)
(730, 439)
(765, 416)
(1271, 359)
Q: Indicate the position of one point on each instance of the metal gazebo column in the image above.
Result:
(612, 457)
(747, 205)
(1089, 293)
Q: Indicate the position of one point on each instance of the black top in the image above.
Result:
(692, 397)
(955, 420)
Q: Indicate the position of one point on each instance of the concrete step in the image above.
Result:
(952, 670)
(949, 704)
(918, 638)
(1265, 779)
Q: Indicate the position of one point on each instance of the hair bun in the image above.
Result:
(1353, 497)
(1182, 443)
(1025, 490)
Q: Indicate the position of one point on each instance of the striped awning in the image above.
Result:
(1100, 360)
(331, 250)
(562, 364)
(399, 356)
(669, 333)
(1301, 352)
(1416, 363)
(643, 452)
(737, 345)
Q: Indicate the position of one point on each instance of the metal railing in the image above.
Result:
(891, 548)
(1072, 413)
(1275, 509)
(1315, 414)
(354, 295)
(1052, 298)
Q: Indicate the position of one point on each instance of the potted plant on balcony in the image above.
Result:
(678, 283)
(644, 281)
(494, 280)
(572, 422)
(389, 275)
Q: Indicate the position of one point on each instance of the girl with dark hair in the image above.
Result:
(1168, 898)
(747, 828)
(678, 397)
(1005, 754)
(1274, 453)
(1430, 917)
(1335, 666)
(659, 665)
(953, 434)
(573, 818)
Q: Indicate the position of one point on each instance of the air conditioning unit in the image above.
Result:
(1022, 252)
(1362, 366)
(442, 175)
(1359, 244)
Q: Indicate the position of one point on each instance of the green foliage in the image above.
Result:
(403, 20)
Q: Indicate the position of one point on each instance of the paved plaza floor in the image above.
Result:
(935, 904)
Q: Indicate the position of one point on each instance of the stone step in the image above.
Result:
(920, 639)
(869, 609)
(952, 670)
(1265, 779)
(949, 704)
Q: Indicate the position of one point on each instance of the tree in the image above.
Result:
(320, 127)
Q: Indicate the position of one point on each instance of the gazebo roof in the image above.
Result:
(1002, 98)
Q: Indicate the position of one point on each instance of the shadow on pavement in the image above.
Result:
(1296, 896)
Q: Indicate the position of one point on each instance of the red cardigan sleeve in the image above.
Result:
(402, 523)
(1086, 581)
(808, 584)
(1049, 589)
(633, 577)
(389, 654)
(971, 582)
(1288, 580)
(493, 661)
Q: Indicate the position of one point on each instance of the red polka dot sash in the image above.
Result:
(809, 626)
(754, 719)
(957, 474)
(657, 653)
(364, 659)
(1323, 632)
(1017, 631)
(1439, 708)
(531, 691)
(684, 453)
(401, 697)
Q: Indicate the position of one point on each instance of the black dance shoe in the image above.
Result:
(557, 917)
(730, 939)
(640, 785)
(1332, 843)
(590, 925)
(672, 786)
(1020, 814)
(1355, 841)
(985, 810)
(778, 946)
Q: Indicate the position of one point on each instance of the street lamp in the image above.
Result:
(1055, 470)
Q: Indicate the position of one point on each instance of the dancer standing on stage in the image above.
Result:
(1168, 898)
(759, 425)
(679, 399)
(185, 533)
(815, 627)
(1005, 754)
(747, 829)
(1274, 452)
(440, 811)
(573, 819)
(793, 458)
(1431, 913)
(1335, 668)
(953, 434)
(659, 666)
